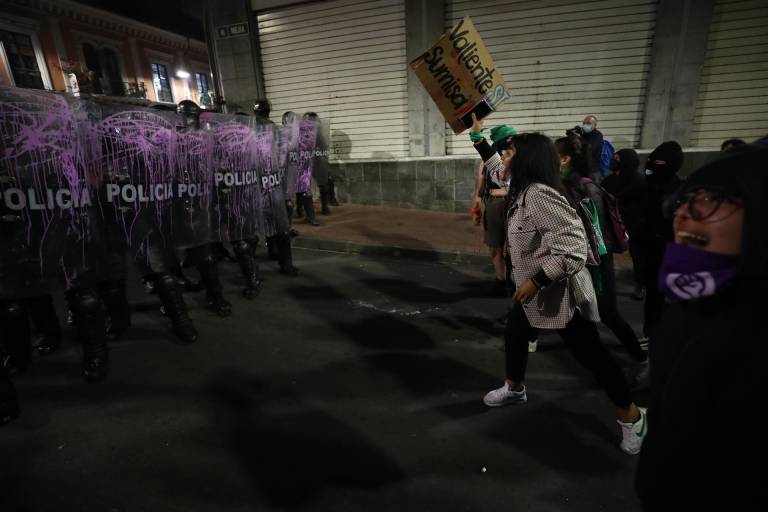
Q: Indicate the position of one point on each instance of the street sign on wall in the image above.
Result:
(234, 30)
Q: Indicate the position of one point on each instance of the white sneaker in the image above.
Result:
(533, 345)
(505, 396)
(632, 434)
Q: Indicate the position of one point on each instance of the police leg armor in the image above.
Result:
(9, 404)
(45, 320)
(118, 309)
(173, 303)
(92, 332)
(332, 192)
(299, 206)
(325, 199)
(17, 353)
(309, 208)
(249, 269)
(209, 274)
(286, 255)
(273, 247)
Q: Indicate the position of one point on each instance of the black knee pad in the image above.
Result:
(241, 247)
(88, 303)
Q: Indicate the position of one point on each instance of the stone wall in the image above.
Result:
(444, 184)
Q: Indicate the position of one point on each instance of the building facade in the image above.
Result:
(44, 42)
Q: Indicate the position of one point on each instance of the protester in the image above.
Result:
(492, 215)
(730, 144)
(547, 247)
(574, 165)
(628, 187)
(662, 183)
(704, 447)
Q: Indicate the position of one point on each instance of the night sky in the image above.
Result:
(181, 17)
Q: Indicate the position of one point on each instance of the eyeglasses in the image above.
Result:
(702, 204)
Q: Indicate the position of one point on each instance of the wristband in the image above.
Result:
(477, 136)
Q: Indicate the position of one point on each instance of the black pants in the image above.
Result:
(638, 258)
(609, 311)
(654, 300)
(581, 338)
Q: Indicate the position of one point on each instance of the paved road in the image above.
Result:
(355, 387)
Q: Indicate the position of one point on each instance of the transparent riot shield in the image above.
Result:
(308, 129)
(274, 215)
(320, 167)
(288, 152)
(45, 195)
(235, 198)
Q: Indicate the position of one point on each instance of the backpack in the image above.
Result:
(593, 239)
(615, 229)
(606, 155)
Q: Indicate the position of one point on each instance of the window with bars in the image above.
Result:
(22, 59)
(162, 83)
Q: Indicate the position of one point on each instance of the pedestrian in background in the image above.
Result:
(590, 136)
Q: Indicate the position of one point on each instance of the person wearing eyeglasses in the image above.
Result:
(709, 350)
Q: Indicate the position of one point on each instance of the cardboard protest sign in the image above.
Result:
(460, 75)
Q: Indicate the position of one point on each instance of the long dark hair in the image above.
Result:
(535, 161)
(580, 154)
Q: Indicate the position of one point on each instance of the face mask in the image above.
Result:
(689, 273)
(586, 128)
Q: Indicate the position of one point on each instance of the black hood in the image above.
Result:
(743, 172)
(670, 152)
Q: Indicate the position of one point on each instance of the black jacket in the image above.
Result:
(705, 447)
(595, 141)
(632, 195)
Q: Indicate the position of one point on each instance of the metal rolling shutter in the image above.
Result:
(345, 60)
(564, 60)
(733, 94)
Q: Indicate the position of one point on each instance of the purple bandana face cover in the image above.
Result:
(689, 273)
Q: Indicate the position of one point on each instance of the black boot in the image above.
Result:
(175, 308)
(46, 322)
(325, 199)
(214, 294)
(332, 192)
(9, 404)
(92, 331)
(299, 206)
(118, 309)
(309, 208)
(186, 283)
(249, 269)
(286, 256)
(15, 332)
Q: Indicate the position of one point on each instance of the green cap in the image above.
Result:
(501, 132)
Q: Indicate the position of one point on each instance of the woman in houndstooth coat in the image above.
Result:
(548, 249)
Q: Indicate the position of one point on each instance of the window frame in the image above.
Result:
(152, 64)
(39, 57)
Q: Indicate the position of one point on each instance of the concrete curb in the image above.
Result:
(426, 255)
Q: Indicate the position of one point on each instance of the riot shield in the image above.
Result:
(274, 216)
(45, 196)
(308, 129)
(288, 152)
(192, 183)
(136, 189)
(235, 198)
(320, 168)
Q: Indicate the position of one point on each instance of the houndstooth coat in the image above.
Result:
(545, 233)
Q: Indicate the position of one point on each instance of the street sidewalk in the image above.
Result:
(373, 230)
(401, 232)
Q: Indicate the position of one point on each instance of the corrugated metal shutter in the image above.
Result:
(345, 60)
(733, 95)
(564, 60)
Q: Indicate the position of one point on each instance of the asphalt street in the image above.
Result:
(356, 386)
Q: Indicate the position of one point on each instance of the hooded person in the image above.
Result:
(628, 186)
(708, 358)
(662, 183)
